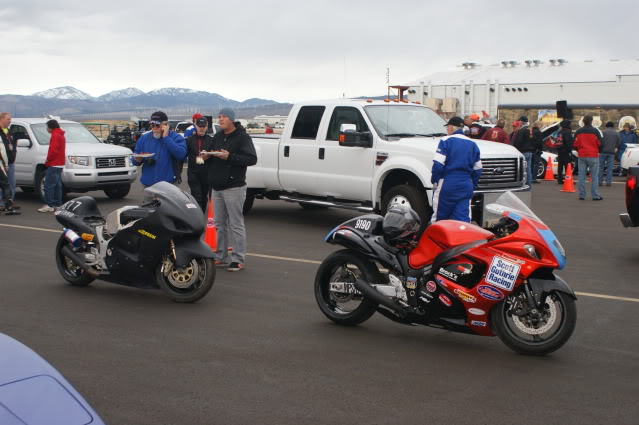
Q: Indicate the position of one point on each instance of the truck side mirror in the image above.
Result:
(351, 138)
(24, 143)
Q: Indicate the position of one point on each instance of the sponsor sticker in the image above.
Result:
(465, 296)
(210, 222)
(502, 273)
(448, 274)
(424, 299)
(147, 234)
(431, 286)
(477, 323)
(411, 283)
(490, 293)
(476, 311)
(445, 300)
(441, 281)
(191, 206)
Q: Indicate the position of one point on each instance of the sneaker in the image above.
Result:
(11, 211)
(46, 209)
(597, 199)
(235, 267)
(219, 263)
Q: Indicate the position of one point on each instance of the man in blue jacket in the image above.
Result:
(626, 136)
(168, 149)
(456, 170)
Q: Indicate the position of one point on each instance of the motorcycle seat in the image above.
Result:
(133, 214)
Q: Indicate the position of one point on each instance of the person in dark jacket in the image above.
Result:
(538, 145)
(564, 149)
(524, 143)
(609, 147)
(513, 134)
(198, 172)
(587, 142)
(475, 129)
(6, 203)
(227, 178)
(11, 150)
(168, 148)
(626, 136)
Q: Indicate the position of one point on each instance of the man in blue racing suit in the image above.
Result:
(456, 170)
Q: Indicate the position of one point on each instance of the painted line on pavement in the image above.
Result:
(301, 260)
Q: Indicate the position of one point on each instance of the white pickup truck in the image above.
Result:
(90, 164)
(365, 155)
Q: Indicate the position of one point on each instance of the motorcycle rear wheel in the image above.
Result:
(72, 273)
(188, 284)
(541, 338)
(345, 266)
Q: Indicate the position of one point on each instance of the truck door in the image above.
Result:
(24, 156)
(346, 172)
(298, 152)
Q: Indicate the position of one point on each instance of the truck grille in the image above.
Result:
(500, 172)
(110, 162)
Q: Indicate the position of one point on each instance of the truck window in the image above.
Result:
(344, 115)
(307, 122)
(19, 132)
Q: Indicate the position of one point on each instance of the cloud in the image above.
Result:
(289, 50)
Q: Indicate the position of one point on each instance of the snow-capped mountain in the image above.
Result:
(66, 92)
(120, 94)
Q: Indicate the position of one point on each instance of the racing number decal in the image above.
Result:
(71, 205)
(363, 224)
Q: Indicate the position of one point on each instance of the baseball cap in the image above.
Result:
(202, 122)
(474, 117)
(158, 117)
(523, 118)
(196, 116)
(455, 121)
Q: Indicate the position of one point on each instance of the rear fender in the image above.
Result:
(548, 285)
(188, 249)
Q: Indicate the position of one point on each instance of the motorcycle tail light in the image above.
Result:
(530, 250)
(631, 185)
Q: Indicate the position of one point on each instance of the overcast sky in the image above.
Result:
(291, 50)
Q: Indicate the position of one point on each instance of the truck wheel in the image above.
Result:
(117, 192)
(248, 202)
(39, 187)
(412, 198)
(541, 169)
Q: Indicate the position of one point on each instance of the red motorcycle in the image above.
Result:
(458, 276)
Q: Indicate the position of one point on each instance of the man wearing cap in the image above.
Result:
(524, 143)
(192, 129)
(456, 171)
(475, 129)
(168, 149)
(227, 178)
(497, 133)
(197, 174)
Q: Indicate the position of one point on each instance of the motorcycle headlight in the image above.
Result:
(530, 250)
(79, 160)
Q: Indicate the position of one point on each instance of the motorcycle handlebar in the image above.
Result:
(151, 203)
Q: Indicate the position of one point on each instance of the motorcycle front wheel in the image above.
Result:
(335, 293)
(186, 284)
(539, 332)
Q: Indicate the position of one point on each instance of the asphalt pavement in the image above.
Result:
(257, 350)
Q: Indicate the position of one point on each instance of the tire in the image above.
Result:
(117, 192)
(503, 324)
(311, 207)
(411, 196)
(541, 169)
(199, 287)
(327, 273)
(248, 202)
(39, 186)
(69, 271)
(27, 189)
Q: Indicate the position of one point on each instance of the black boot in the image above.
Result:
(9, 210)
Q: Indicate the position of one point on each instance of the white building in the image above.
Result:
(269, 119)
(473, 88)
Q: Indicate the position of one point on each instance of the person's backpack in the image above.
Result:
(178, 166)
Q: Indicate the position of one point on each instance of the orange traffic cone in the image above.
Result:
(549, 176)
(210, 234)
(569, 185)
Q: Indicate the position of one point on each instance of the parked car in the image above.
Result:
(365, 156)
(90, 164)
(631, 217)
(630, 157)
(33, 392)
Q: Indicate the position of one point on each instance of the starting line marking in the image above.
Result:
(301, 260)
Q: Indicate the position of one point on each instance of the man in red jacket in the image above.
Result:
(497, 133)
(587, 142)
(55, 164)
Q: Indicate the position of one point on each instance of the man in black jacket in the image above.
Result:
(564, 149)
(538, 145)
(198, 172)
(10, 150)
(524, 143)
(227, 178)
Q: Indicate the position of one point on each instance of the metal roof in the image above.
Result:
(544, 73)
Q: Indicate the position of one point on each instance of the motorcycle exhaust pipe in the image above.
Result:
(372, 294)
(78, 261)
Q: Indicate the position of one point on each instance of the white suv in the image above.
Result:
(90, 164)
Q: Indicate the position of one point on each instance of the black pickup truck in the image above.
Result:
(631, 218)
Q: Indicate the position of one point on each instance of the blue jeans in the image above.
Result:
(536, 159)
(586, 164)
(53, 187)
(606, 162)
(528, 157)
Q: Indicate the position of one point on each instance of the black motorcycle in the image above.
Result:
(154, 245)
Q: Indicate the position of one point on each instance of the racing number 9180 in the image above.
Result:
(363, 224)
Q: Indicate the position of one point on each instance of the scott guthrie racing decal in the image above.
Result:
(502, 273)
(490, 293)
